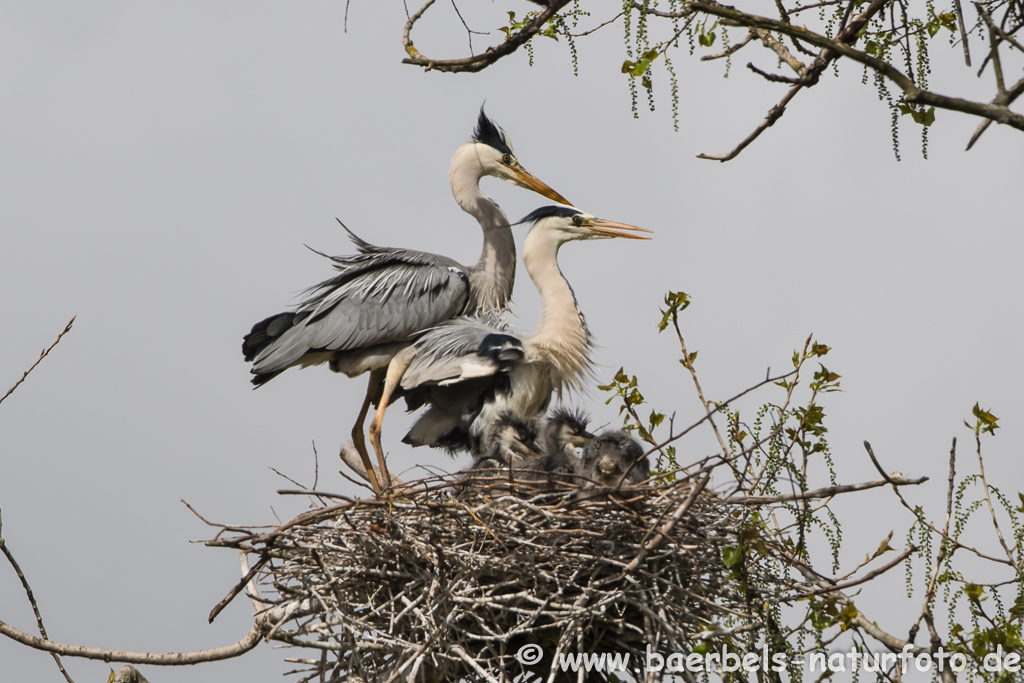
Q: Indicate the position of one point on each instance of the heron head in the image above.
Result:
(493, 149)
(568, 223)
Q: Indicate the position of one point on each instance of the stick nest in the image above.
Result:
(449, 581)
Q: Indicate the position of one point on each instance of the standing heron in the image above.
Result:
(383, 297)
(468, 371)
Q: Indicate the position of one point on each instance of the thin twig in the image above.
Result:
(599, 26)
(773, 115)
(856, 582)
(44, 354)
(732, 49)
(991, 509)
(774, 78)
(943, 547)
(931, 526)
(31, 597)
(238, 588)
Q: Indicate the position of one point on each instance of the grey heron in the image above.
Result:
(468, 371)
(614, 459)
(382, 298)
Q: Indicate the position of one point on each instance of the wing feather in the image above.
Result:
(462, 349)
(380, 296)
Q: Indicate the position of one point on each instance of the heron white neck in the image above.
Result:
(493, 276)
(562, 339)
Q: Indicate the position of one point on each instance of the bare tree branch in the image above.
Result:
(827, 492)
(251, 640)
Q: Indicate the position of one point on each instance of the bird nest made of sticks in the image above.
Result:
(453, 579)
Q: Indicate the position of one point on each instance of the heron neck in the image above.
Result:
(562, 338)
(492, 277)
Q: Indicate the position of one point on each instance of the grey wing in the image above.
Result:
(462, 349)
(385, 301)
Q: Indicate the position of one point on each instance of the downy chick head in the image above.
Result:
(614, 459)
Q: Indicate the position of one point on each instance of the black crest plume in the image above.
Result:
(489, 133)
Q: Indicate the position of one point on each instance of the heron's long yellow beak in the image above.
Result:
(524, 178)
(601, 226)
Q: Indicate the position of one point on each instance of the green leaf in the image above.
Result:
(974, 592)
(732, 557)
(674, 302)
(986, 421)
(1017, 611)
(706, 39)
(847, 616)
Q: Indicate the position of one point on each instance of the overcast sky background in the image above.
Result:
(162, 166)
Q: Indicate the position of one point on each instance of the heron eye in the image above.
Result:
(506, 158)
(577, 220)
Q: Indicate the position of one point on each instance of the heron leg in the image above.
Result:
(358, 439)
(396, 368)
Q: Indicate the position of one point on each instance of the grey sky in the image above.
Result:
(162, 167)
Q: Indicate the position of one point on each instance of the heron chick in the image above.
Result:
(614, 459)
(510, 441)
(565, 431)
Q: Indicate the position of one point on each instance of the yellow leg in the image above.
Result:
(358, 440)
(396, 368)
